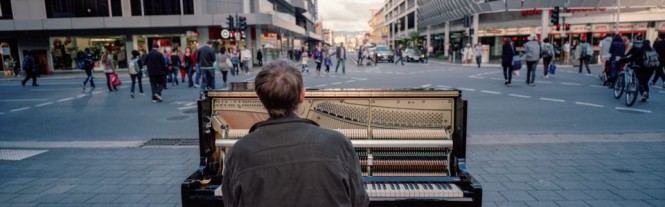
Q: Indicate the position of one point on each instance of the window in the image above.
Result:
(6, 9)
(136, 8)
(116, 8)
(80, 8)
(188, 6)
(161, 7)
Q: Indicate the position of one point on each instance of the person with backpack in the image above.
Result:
(507, 55)
(206, 56)
(222, 59)
(659, 46)
(134, 68)
(585, 55)
(87, 63)
(638, 58)
(533, 51)
(548, 55)
(30, 67)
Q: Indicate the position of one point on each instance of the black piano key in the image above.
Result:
(384, 186)
(438, 186)
(448, 186)
(398, 188)
(416, 185)
(373, 186)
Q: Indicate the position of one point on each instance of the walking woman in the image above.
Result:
(221, 59)
(236, 61)
(188, 62)
(109, 69)
(318, 58)
(135, 72)
(507, 61)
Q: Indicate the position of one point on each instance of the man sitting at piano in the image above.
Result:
(287, 160)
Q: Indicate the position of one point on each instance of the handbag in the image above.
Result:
(552, 69)
(115, 81)
(517, 62)
(229, 64)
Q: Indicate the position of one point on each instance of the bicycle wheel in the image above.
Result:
(603, 78)
(619, 86)
(631, 91)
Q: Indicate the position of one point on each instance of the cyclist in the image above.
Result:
(635, 60)
(617, 51)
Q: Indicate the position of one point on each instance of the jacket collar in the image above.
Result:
(291, 118)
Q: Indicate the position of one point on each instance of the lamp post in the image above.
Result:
(399, 28)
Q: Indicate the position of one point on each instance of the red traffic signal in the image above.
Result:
(567, 27)
(558, 27)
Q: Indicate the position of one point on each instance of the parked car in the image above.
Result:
(411, 55)
(383, 53)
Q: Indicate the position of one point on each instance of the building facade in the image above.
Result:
(377, 30)
(58, 30)
(493, 22)
(400, 18)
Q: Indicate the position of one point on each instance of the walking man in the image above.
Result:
(548, 55)
(341, 57)
(206, 56)
(30, 68)
(157, 70)
(479, 54)
(585, 55)
(246, 57)
(360, 56)
(88, 64)
(659, 46)
(399, 54)
(259, 57)
(533, 52)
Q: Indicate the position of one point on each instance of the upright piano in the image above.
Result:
(411, 142)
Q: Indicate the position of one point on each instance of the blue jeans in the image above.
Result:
(137, 78)
(341, 61)
(90, 78)
(174, 75)
(189, 75)
(198, 74)
(208, 80)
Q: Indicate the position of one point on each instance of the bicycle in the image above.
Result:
(626, 81)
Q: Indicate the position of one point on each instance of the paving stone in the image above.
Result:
(493, 186)
(488, 204)
(544, 185)
(574, 195)
(17, 204)
(602, 194)
(77, 198)
(545, 195)
(572, 203)
(624, 184)
(517, 196)
(657, 202)
(25, 198)
(655, 193)
(571, 185)
(157, 198)
(541, 203)
(631, 203)
(50, 198)
(12, 188)
(492, 196)
(132, 198)
(631, 194)
(105, 198)
(517, 186)
(597, 185)
(4, 197)
(511, 204)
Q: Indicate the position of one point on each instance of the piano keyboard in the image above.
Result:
(397, 190)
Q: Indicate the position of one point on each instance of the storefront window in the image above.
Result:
(65, 51)
(82, 8)
(6, 9)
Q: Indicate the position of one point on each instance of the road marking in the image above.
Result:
(546, 82)
(467, 89)
(363, 79)
(589, 104)
(336, 83)
(661, 91)
(190, 104)
(350, 81)
(657, 87)
(65, 99)
(497, 79)
(443, 86)
(570, 84)
(552, 99)
(187, 107)
(1, 113)
(19, 109)
(57, 89)
(18, 100)
(249, 79)
(333, 76)
(491, 92)
(322, 85)
(597, 86)
(399, 73)
(476, 77)
(629, 109)
(97, 92)
(426, 85)
(44, 104)
(82, 95)
(519, 96)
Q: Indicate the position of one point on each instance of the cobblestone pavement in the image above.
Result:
(619, 172)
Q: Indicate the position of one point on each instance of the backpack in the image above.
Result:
(27, 63)
(134, 66)
(547, 52)
(651, 59)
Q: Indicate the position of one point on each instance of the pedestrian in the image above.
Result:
(318, 58)
(246, 57)
(175, 67)
(259, 57)
(423, 54)
(626, 41)
(109, 68)
(290, 52)
(430, 50)
(605, 55)
(468, 54)
(341, 57)
(566, 52)
(548, 54)
(304, 61)
(188, 64)
(617, 52)
(636, 57)
(328, 61)
(507, 55)
(87, 64)
(360, 56)
(157, 70)
(222, 58)
(659, 46)
(166, 53)
(585, 55)
(399, 55)
(135, 73)
(479, 53)
(197, 66)
(206, 57)
(533, 52)
(30, 67)
(235, 60)
(324, 173)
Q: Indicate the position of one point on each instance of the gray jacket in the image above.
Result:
(532, 50)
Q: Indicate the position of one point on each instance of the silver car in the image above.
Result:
(411, 55)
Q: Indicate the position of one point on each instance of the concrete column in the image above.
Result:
(446, 39)
(545, 24)
(474, 41)
(429, 34)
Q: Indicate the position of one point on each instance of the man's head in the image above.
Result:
(341, 44)
(280, 88)
(209, 43)
(662, 36)
(640, 37)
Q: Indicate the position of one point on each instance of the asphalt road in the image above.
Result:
(567, 103)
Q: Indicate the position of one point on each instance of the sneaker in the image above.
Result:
(532, 85)
(157, 98)
(547, 76)
(142, 94)
(132, 95)
(23, 83)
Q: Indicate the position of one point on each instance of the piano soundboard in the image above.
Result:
(411, 143)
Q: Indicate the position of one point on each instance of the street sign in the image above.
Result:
(226, 34)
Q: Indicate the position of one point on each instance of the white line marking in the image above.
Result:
(65, 99)
(186, 107)
(552, 99)
(97, 92)
(1, 113)
(350, 81)
(363, 79)
(249, 79)
(657, 87)
(542, 81)
(661, 91)
(491, 92)
(597, 86)
(497, 79)
(17, 100)
(519, 96)
(467, 89)
(336, 83)
(82, 95)
(19, 109)
(589, 104)
(570, 84)
(629, 109)
(426, 85)
(443, 86)
(57, 89)
(190, 104)
(476, 77)
(321, 85)
(44, 104)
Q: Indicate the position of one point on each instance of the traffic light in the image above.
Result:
(558, 27)
(567, 27)
(554, 17)
(230, 23)
(466, 21)
(242, 23)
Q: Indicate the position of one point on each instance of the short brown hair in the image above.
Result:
(278, 86)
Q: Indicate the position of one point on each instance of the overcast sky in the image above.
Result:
(347, 15)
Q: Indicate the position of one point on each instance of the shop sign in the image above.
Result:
(661, 27)
(481, 33)
(226, 34)
(641, 26)
(512, 31)
(579, 28)
(601, 28)
(270, 35)
(192, 33)
(624, 27)
(526, 30)
(496, 32)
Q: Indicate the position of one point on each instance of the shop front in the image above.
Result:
(65, 50)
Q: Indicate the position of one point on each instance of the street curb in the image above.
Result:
(508, 139)
(70, 144)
